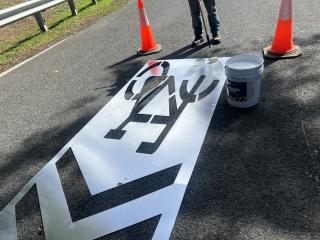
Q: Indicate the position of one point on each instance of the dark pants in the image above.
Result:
(212, 16)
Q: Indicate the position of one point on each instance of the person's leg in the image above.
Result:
(213, 16)
(196, 17)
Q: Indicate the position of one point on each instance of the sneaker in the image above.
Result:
(197, 41)
(216, 39)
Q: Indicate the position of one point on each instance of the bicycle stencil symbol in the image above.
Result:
(149, 92)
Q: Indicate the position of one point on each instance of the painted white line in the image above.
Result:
(30, 59)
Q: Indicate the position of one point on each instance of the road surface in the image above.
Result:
(257, 175)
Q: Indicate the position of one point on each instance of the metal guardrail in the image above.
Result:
(33, 7)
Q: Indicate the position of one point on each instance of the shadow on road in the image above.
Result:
(37, 150)
(257, 170)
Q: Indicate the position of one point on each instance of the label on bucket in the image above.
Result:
(237, 91)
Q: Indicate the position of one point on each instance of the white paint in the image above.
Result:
(30, 59)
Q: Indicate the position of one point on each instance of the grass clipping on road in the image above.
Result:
(17, 45)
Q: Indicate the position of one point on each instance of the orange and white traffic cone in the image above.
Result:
(282, 46)
(148, 43)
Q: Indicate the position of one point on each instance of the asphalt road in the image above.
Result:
(257, 175)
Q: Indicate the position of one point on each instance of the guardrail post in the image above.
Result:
(73, 8)
(41, 22)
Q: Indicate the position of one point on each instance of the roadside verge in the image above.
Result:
(17, 45)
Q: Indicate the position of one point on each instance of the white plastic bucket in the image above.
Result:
(244, 80)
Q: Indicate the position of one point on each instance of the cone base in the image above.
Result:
(296, 52)
(143, 53)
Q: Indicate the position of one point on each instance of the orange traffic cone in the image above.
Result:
(148, 43)
(282, 46)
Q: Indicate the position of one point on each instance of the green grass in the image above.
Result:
(60, 24)
(8, 3)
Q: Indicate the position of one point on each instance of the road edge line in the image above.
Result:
(30, 59)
